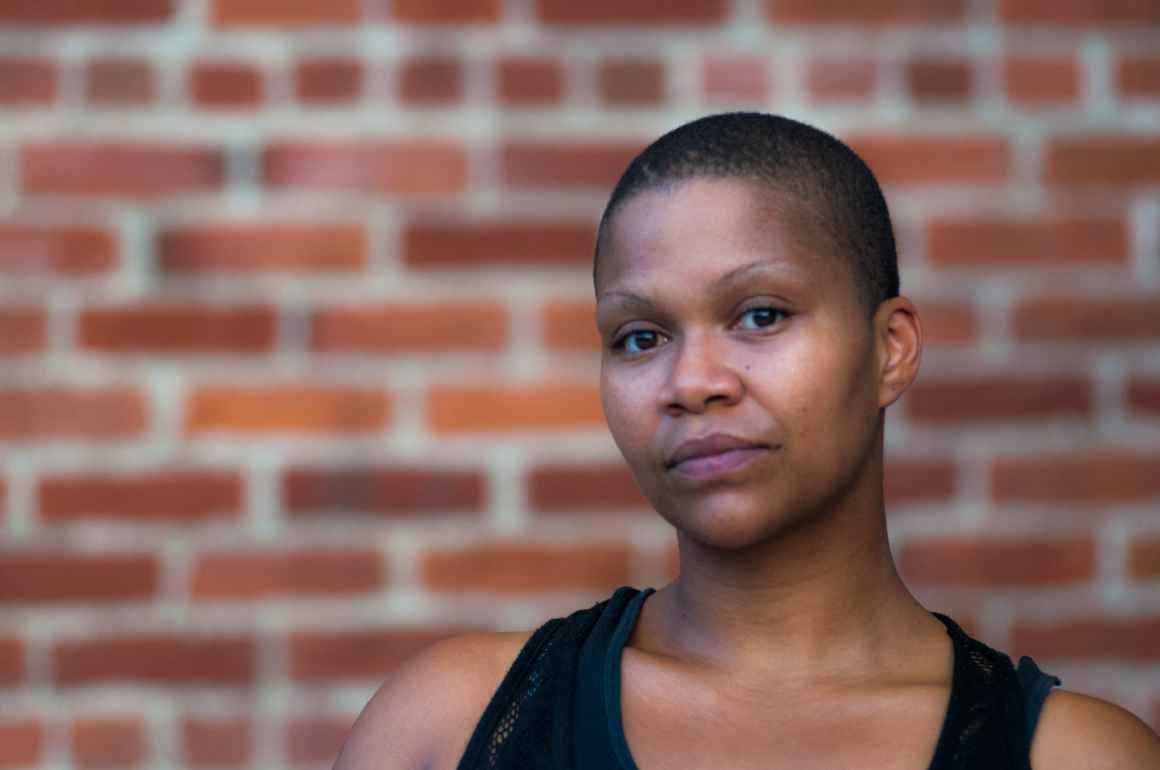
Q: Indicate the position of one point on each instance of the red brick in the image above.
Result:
(67, 249)
(736, 79)
(304, 409)
(998, 398)
(447, 11)
(469, 244)
(513, 408)
(571, 326)
(553, 488)
(21, 742)
(991, 562)
(1041, 79)
(120, 82)
(27, 82)
(529, 80)
(22, 330)
(76, 578)
(1090, 476)
(387, 167)
(119, 169)
(109, 742)
(225, 85)
(158, 659)
(566, 163)
(362, 654)
(177, 328)
(55, 412)
(834, 79)
(328, 81)
(1057, 12)
(909, 481)
(431, 80)
(993, 243)
(284, 13)
(1077, 319)
(210, 742)
(165, 495)
(1139, 76)
(392, 491)
(948, 323)
(1144, 559)
(11, 667)
(56, 12)
(1091, 638)
(527, 568)
(939, 80)
(684, 12)
(411, 329)
(256, 246)
(899, 160)
(631, 81)
(1144, 395)
(255, 575)
(1103, 160)
(316, 739)
(865, 11)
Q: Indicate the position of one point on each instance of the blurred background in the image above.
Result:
(299, 368)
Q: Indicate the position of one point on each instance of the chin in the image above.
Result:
(731, 527)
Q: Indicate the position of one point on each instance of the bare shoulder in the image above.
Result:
(1081, 732)
(423, 716)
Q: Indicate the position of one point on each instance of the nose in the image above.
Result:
(700, 374)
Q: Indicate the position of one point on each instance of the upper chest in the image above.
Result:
(673, 722)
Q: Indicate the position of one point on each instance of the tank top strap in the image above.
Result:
(994, 721)
(1035, 685)
(527, 724)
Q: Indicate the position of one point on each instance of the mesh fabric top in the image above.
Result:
(558, 707)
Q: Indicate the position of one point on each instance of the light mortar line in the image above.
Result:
(70, 98)
(1111, 543)
(137, 272)
(21, 520)
(404, 565)
(996, 333)
(1109, 380)
(9, 179)
(681, 76)
(588, 119)
(165, 388)
(1144, 231)
(262, 502)
(507, 511)
(1098, 89)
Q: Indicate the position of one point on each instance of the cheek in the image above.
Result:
(624, 410)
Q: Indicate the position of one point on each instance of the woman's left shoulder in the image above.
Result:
(1082, 732)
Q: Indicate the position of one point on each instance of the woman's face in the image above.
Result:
(715, 320)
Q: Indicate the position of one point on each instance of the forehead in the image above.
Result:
(697, 232)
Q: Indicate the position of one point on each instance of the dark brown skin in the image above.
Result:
(788, 618)
(788, 639)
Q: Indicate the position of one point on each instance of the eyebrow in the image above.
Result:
(734, 276)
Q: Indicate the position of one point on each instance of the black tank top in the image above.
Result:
(558, 707)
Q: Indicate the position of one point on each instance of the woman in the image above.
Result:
(747, 297)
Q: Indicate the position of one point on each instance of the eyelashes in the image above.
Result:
(620, 344)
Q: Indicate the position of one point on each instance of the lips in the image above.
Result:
(713, 444)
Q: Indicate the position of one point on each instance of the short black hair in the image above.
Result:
(833, 188)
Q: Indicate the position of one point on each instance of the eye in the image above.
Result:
(622, 342)
(766, 312)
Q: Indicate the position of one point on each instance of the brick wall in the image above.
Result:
(299, 368)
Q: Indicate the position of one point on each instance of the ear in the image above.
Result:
(898, 343)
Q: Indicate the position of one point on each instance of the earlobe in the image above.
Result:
(898, 333)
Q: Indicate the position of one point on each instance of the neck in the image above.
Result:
(820, 601)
